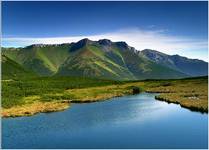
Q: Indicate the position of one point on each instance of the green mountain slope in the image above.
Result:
(191, 67)
(98, 59)
(106, 59)
(90, 61)
(11, 69)
(42, 59)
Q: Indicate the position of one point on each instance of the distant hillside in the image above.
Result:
(191, 67)
(42, 59)
(11, 69)
(100, 59)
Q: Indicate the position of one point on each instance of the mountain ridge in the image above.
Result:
(102, 59)
(180, 63)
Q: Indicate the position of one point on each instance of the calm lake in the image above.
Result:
(137, 121)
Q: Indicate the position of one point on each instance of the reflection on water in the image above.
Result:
(136, 121)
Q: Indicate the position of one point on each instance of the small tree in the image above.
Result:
(136, 90)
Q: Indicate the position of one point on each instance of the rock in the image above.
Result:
(80, 44)
(105, 42)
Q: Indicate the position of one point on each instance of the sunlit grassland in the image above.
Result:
(19, 92)
(23, 97)
(30, 96)
(189, 93)
(32, 108)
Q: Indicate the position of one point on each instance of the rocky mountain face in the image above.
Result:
(191, 67)
(103, 59)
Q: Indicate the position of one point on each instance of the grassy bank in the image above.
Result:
(34, 108)
(16, 92)
(191, 93)
(26, 97)
(30, 96)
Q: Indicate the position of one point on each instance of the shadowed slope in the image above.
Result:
(103, 59)
(191, 67)
(11, 69)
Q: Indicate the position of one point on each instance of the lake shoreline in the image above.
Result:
(188, 93)
(33, 109)
(65, 104)
(191, 108)
(24, 111)
(139, 118)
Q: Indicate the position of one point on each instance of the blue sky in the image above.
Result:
(170, 27)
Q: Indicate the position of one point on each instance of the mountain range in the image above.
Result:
(98, 59)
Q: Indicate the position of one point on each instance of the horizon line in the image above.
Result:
(100, 40)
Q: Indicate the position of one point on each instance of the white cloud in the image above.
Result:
(140, 39)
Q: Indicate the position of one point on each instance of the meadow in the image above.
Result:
(191, 93)
(28, 96)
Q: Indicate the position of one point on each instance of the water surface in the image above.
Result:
(137, 121)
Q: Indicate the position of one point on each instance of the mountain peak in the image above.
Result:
(35, 45)
(104, 59)
(150, 50)
(80, 44)
(153, 53)
(105, 42)
(122, 44)
(84, 41)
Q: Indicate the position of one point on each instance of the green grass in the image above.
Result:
(191, 93)
(11, 69)
(14, 91)
(42, 60)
